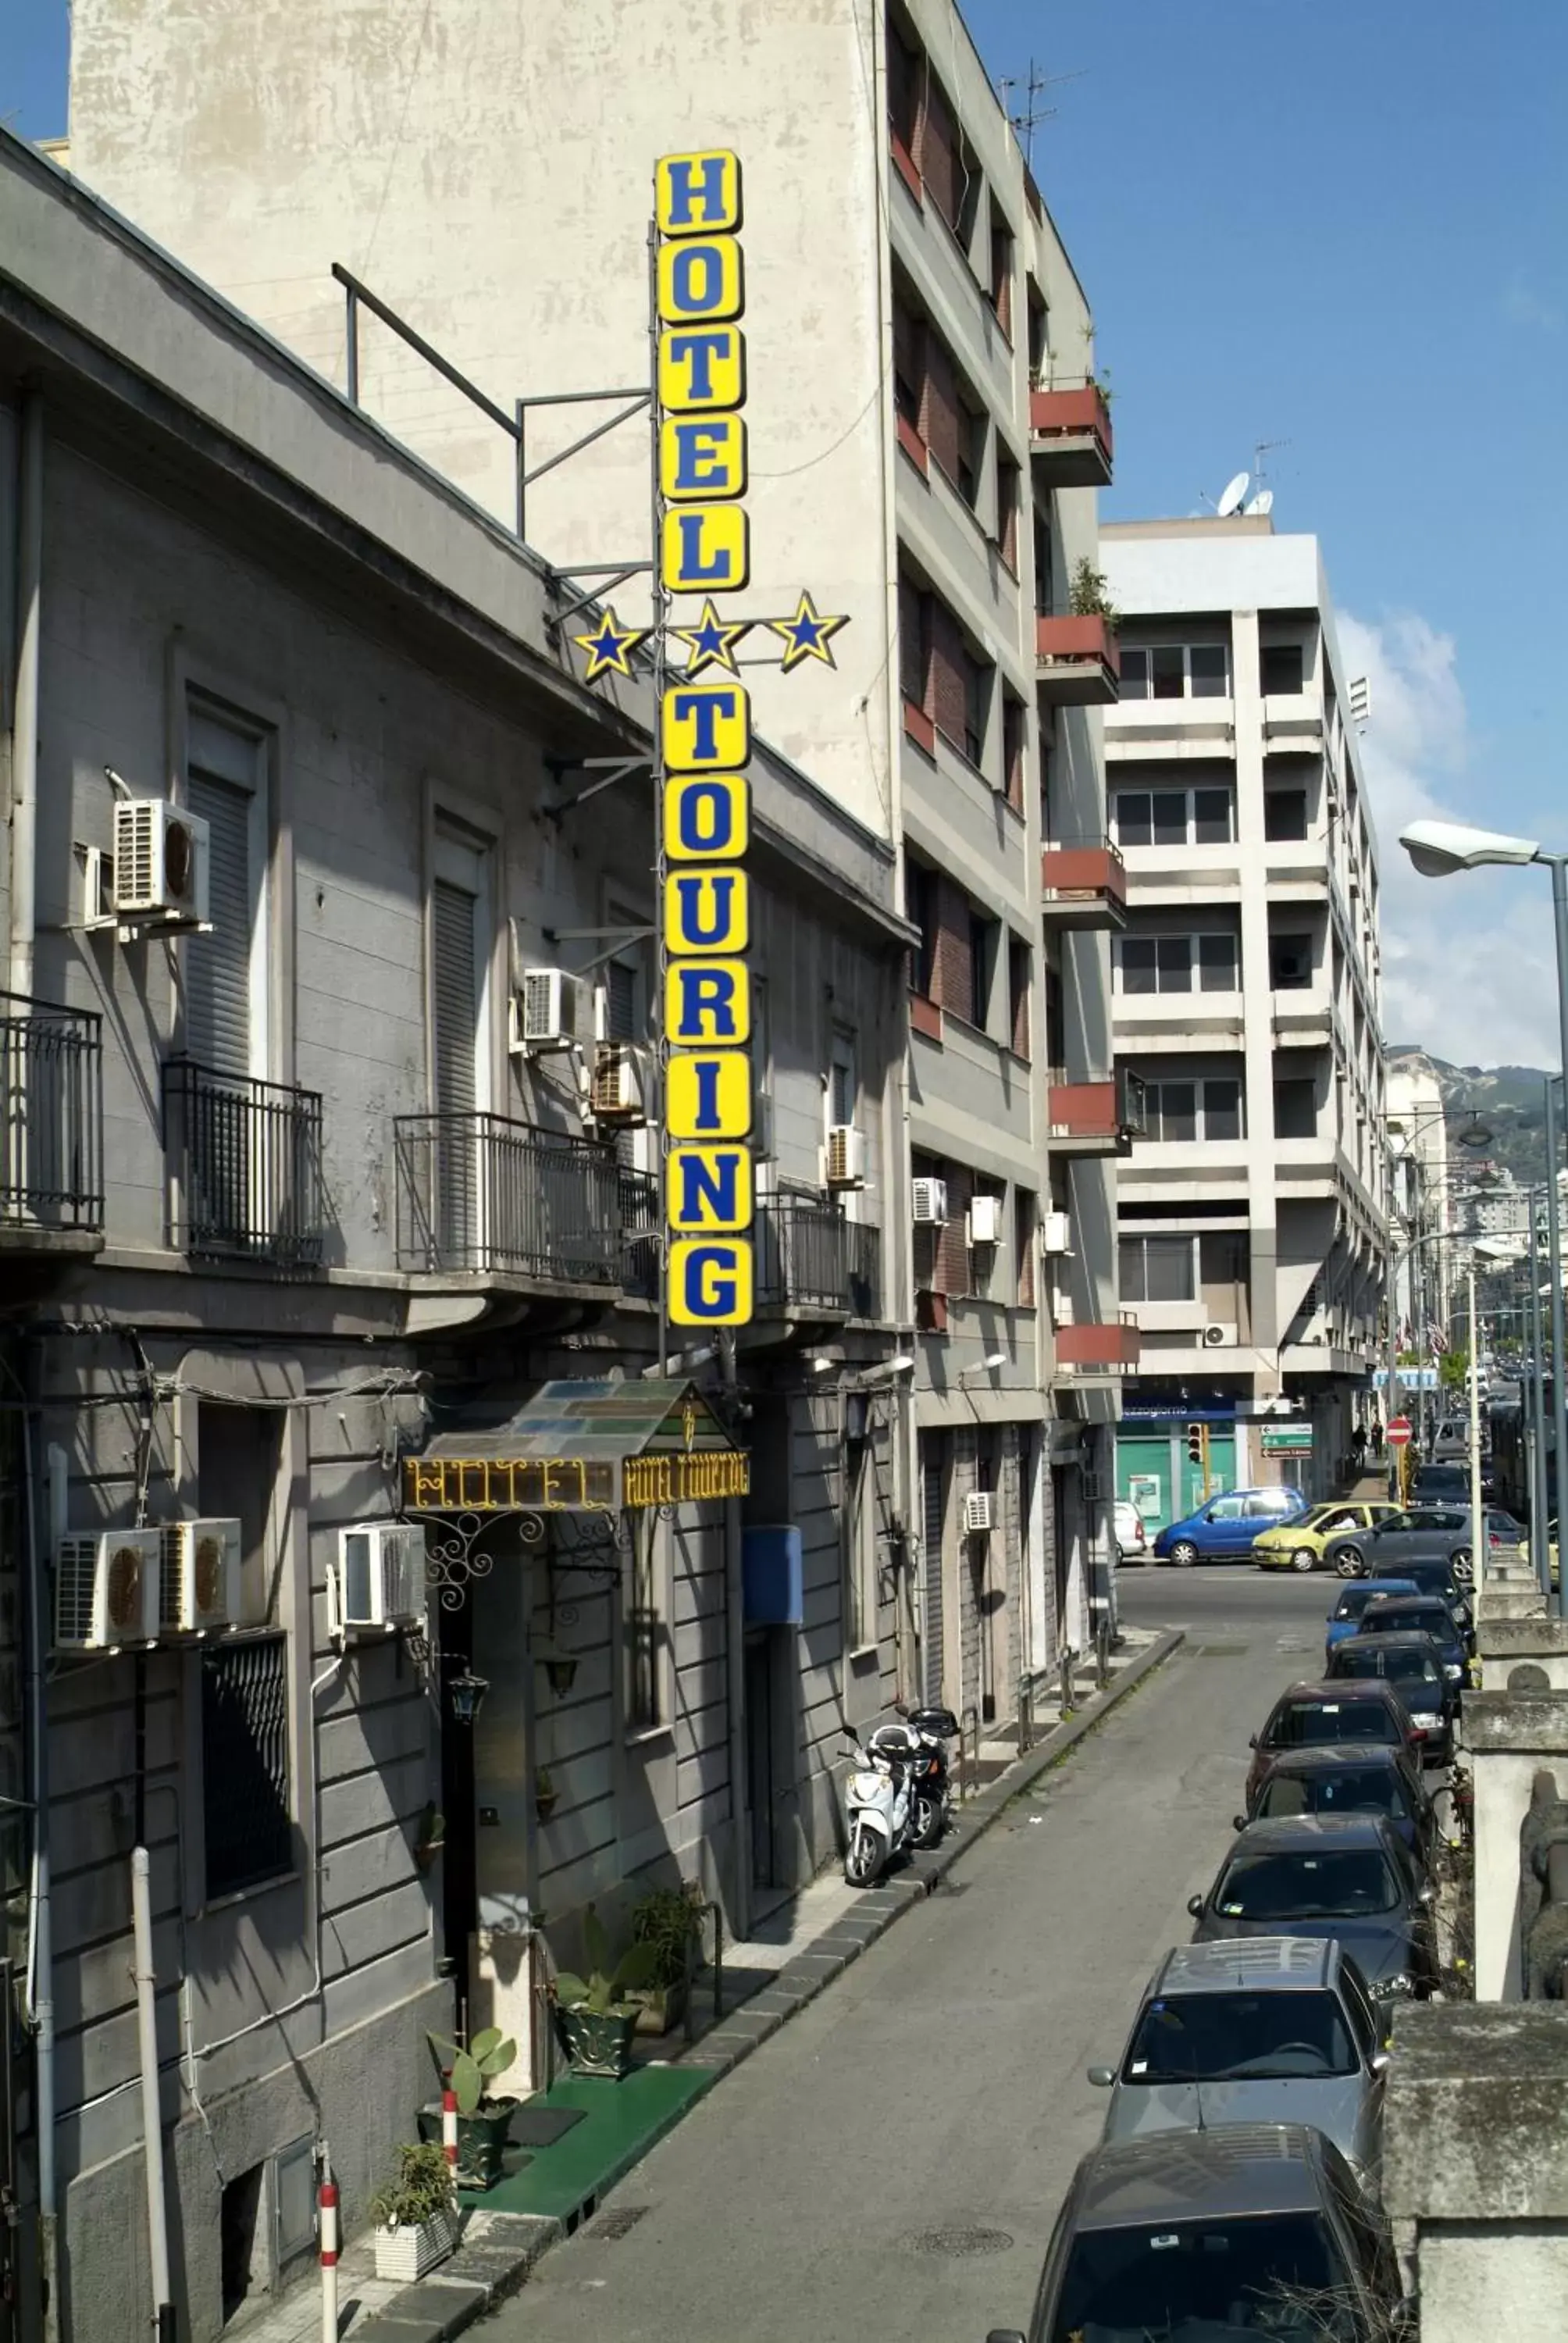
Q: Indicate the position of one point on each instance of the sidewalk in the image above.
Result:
(575, 2140)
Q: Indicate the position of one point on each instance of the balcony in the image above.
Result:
(1108, 1350)
(480, 1195)
(1069, 440)
(51, 1128)
(244, 1160)
(1076, 662)
(812, 1262)
(1094, 1118)
(1083, 886)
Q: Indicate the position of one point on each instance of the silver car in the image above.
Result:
(1266, 2029)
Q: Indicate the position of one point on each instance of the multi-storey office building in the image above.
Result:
(926, 441)
(1246, 1001)
(307, 1191)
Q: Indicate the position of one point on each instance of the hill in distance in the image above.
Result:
(1510, 1099)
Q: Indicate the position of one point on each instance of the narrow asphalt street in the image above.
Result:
(891, 2164)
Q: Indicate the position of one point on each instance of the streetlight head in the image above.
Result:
(1475, 1132)
(1439, 848)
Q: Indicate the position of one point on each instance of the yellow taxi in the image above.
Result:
(1299, 1546)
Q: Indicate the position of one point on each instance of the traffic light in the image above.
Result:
(1194, 1443)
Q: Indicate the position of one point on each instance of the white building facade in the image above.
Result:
(1246, 1002)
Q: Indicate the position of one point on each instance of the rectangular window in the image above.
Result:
(1176, 671)
(982, 936)
(1185, 1110)
(1206, 963)
(1206, 671)
(1025, 1228)
(921, 907)
(1019, 965)
(1014, 750)
(1185, 816)
(1006, 500)
(1168, 673)
(1000, 286)
(1217, 964)
(1290, 962)
(225, 969)
(1136, 964)
(1280, 670)
(1295, 1110)
(1039, 335)
(1222, 1109)
(1044, 574)
(914, 644)
(1212, 816)
(1173, 963)
(646, 1622)
(1284, 814)
(976, 701)
(246, 1829)
(843, 1098)
(1134, 674)
(860, 1544)
(1157, 1269)
(971, 438)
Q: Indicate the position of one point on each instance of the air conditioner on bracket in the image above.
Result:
(1215, 1336)
(1056, 1232)
(161, 855)
(622, 1084)
(984, 1221)
(979, 1513)
(378, 1578)
(928, 1203)
(551, 1010)
(107, 1589)
(844, 1158)
(198, 1576)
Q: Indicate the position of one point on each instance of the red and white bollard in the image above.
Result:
(449, 2136)
(327, 2208)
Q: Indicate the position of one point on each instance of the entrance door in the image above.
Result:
(459, 954)
(759, 1756)
(933, 1515)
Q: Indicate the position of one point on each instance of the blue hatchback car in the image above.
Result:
(1223, 1529)
(1421, 1614)
(1345, 1617)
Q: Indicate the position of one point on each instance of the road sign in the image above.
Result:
(1286, 1439)
(1398, 1430)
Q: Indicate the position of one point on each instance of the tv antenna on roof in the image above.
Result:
(1035, 86)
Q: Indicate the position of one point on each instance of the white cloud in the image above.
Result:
(1469, 970)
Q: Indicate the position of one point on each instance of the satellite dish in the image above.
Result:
(1231, 502)
(1262, 504)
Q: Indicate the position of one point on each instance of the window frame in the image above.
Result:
(1189, 790)
(1165, 957)
(1200, 1085)
(270, 1039)
(207, 1897)
(1273, 650)
(858, 1549)
(1147, 652)
(1139, 1241)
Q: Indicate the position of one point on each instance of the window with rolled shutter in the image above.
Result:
(941, 422)
(950, 690)
(217, 966)
(914, 643)
(455, 996)
(933, 1492)
(940, 160)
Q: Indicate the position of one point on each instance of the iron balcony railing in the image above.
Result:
(245, 1160)
(642, 1227)
(51, 1116)
(810, 1257)
(480, 1192)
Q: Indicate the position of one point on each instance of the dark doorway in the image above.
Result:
(459, 1864)
(237, 2213)
(759, 1756)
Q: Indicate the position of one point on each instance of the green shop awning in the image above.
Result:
(583, 1447)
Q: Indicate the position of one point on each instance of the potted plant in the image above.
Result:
(667, 1919)
(1091, 595)
(417, 2217)
(483, 2121)
(545, 1794)
(595, 2015)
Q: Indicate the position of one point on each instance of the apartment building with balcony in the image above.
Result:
(1252, 1217)
(926, 440)
(330, 1276)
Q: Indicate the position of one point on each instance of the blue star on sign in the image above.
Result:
(712, 641)
(610, 648)
(806, 634)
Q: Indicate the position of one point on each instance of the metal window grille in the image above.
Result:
(246, 1828)
(808, 1256)
(51, 1115)
(246, 1160)
(478, 1191)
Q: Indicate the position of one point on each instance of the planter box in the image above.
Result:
(596, 2041)
(404, 2255)
(661, 2007)
(481, 2139)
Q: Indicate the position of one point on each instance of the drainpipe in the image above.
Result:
(24, 712)
(152, 2124)
(41, 1965)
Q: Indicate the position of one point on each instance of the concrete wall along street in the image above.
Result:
(258, 608)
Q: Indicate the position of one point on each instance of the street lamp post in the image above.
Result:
(1540, 1552)
(1439, 849)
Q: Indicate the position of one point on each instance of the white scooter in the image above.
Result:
(878, 1802)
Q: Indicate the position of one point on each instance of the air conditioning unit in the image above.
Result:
(1056, 1232)
(551, 1011)
(930, 1203)
(378, 1580)
(622, 1084)
(1217, 1337)
(844, 1157)
(198, 1576)
(979, 1513)
(982, 1224)
(160, 863)
(107, 1589)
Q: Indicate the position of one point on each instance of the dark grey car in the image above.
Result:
(1279, 2029)
(1248, 2230)
(1343, 1875)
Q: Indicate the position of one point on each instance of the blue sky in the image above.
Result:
(1343, 225)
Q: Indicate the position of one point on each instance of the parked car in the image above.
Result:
(1223, 1529)
(1348, 1876)
(1350, 1778)
(1451, 1441)
(1442, 1484)
(1299, 1545)
(1434, 1576)
(1354, 1595)
(1438, 1531)
(1421, 1614)
(1315, 1715)
(1132, 1538)
(1414, 1665)
(1235, 2231)
(1281, 2031)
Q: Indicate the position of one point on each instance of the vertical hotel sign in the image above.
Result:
(705, 743)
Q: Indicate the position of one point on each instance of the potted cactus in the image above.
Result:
(595, 2015)
(483, 2119)
(415, 2217)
